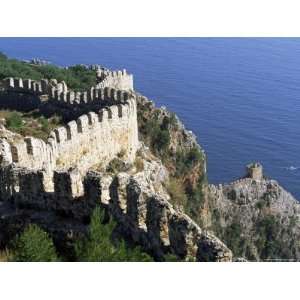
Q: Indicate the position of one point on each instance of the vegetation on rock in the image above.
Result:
(30, 123)
(166, 137)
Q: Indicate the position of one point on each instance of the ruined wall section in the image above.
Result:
(146, 218)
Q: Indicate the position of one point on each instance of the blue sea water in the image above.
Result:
(240, 96)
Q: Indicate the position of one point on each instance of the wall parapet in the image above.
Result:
(100, 96)
(150, 220)
(91, 128)
(27, 86)
(107, 92)
(116, 79)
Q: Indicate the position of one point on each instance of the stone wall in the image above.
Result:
(115, 79)
(91, 139)
(255, 171)
(143, 217)
(95, 96)
(105, 125)
(27, 85)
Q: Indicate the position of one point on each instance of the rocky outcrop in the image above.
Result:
(181, 140)
(139, 203)
(256, 217)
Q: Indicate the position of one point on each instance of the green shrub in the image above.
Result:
(45, 124)
(34, 244)
(194, 155)
(269, 243)
(185, 161)
(171, 258)
(98, 245)
(260, 204)
(14, 121)
(176, 191)
(161, 139)
(233, 238)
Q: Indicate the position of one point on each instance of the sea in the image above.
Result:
(240, 96)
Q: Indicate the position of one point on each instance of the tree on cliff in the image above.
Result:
(98, 245)
(34, 244)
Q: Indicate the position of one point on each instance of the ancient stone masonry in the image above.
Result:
(116, 79)
(255, 171)
(108, 127)
(26, 85)
(58, 174)
(95, 96)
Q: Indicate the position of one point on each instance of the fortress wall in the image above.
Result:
(149, 220)
(32, 153)
(25, 94)
(68, 185)
(91, 139)
(95, 96)
(16, 101)
(97, 137)
(117, 79)
(27, 86)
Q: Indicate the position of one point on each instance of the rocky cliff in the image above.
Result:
(254, 216)
(258, 219)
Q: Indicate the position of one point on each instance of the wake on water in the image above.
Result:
(291, 168)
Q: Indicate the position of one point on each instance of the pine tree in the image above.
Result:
(98, 246)
(34, 244)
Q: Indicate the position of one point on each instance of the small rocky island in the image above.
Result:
(69, 145)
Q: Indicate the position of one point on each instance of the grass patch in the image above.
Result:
(28, 124)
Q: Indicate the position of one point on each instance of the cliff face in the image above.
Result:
(179, 152)
(255, 217)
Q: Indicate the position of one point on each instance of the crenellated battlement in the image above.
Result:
(116, 79)
(57, 93)
(93, 96)
(90, 133)
(106, 126)
(149, 219)
(20, 85)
